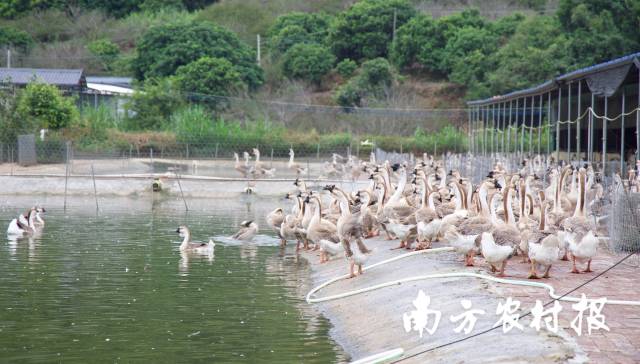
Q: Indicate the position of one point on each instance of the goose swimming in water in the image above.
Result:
(248, 230)
(18, 227)
(188, 245)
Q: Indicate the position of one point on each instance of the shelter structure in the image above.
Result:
(591, 114)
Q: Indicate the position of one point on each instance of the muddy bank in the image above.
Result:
(372, 322)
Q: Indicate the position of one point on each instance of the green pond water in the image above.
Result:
(112, 286)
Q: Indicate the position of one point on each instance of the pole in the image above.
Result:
(558, 125)
(569, 123)
(515, 144)
(531, 129)
(395, 19)
(638, 120)
(493, 129)
(66, 176)
(540, 124)
(509, 128)
(181, 193)
(504, 121)
(8, 57)
(591, 123)
(604, 137)
(549, 124)
(95, 190)
(470, 134)
(578, 129)
(258, 49)
(622, 158)
(484, 133)
(524, 125)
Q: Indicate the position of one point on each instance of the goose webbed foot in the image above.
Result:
(502, 268)
(588, 270)
(468, 261)
(575, 269)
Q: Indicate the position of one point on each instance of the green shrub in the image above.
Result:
(210, 77)
(164, 48)
(15, 38)
(346, 68)
(44, 106)
(106, 51)
(364, 30)
(297, 27)
(153, 104)
(98, 121)
(308, 62)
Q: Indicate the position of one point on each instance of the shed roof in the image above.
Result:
(58, 77)
(553, 83)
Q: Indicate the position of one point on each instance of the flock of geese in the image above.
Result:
(350, 167)
(509, 213)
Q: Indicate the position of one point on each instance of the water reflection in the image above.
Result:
(95, 282)
(187, 257)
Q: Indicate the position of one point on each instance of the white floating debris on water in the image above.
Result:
(258, 240)
(107, 339)
(194, 334)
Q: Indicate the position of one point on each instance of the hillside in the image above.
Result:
(396, 73)
(62, 38)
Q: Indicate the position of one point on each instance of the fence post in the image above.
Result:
(271, 163)
(216, 151)
(318, 152)
(66, 173)
(151, 157)
(187, 157)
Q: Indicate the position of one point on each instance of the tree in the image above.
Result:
(153, 104)
(106, 51)
(43, 106)
(308, 62)
(600, 30)
(365, 30)
(422, 41)
(15, 8)
(346, 67)
(163, 49)
(15, 38)
(372, 81)
(466, 41)
(535, 53)
(210, 77)
(417, 37)
(153, 6)
(297, 27)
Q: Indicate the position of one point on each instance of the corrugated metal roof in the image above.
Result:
(536, 90)
(552, 84)
(58, 77)
(108, 80)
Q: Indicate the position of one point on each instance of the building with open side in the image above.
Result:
(591, 114)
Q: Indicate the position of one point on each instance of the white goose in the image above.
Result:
(296, 167)
(196, 247)
(248, 229)
(18, 228)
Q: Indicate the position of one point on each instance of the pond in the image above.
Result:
(113, 286)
